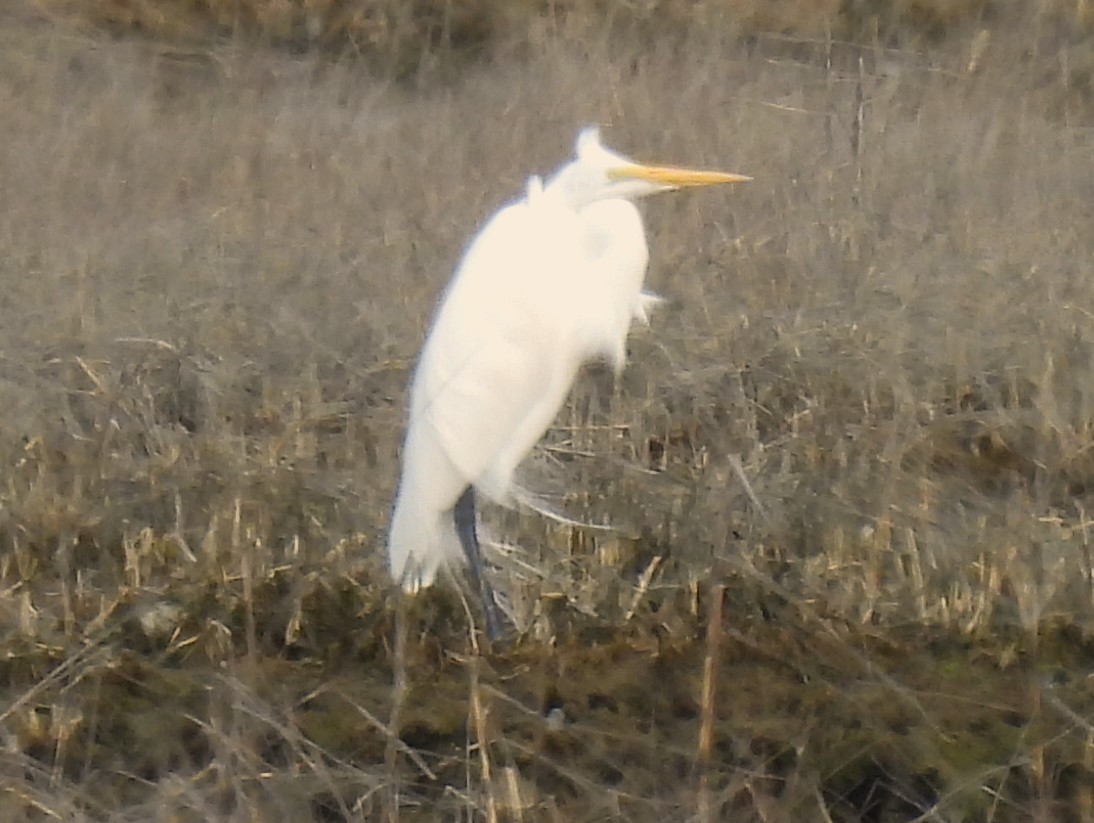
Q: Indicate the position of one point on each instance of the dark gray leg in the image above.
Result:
(464, 515)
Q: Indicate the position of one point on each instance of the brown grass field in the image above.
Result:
(849, 471)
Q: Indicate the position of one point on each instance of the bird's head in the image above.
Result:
(598, 173)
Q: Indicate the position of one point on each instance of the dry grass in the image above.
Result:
(865, 415)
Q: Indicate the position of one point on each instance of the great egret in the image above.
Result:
(553, 279)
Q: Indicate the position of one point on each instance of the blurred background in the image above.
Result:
(830, 554)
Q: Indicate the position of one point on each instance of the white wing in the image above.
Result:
(541, 289)
(501, 355)
(490, 379)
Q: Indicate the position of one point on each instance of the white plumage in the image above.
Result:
(551, 281)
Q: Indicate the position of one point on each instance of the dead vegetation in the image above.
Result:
(861, 424)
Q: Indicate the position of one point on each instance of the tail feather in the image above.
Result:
(419, 544)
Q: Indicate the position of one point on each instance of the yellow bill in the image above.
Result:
(675, 177)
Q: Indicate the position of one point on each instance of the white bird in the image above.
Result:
(553, 280)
